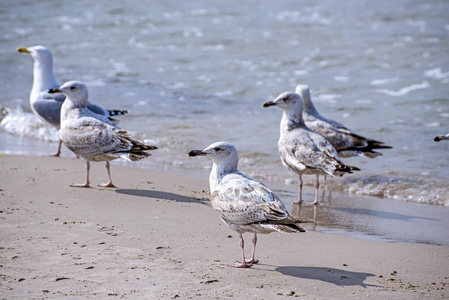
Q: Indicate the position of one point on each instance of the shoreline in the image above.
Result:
(156, 236)
(349, 214)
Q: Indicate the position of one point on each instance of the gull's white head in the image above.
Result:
(303, 91)
(288, 101)
(76, 91)
(39, 53)
(219, 152)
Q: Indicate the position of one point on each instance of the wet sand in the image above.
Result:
(156, 236)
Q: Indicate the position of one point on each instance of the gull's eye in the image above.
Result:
(285, 99)
(72, 87)
(217, 149)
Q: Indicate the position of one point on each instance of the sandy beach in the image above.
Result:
(156, 236)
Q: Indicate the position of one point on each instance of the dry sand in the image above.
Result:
(156, 236)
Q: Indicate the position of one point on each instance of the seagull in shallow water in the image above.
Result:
(45, 105)
(346, 142)
(244, 204)
(441, 138)
(302, 150)
(92, 136)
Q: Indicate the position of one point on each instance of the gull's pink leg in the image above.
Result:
(59, 149)
(300, 183)
(109, 184)
(86, 185)
(253, 260)
(317, 186)
(244, 263)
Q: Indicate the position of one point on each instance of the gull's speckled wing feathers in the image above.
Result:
(244, 202)
(98, 139)
(305, 151)
(346, 142)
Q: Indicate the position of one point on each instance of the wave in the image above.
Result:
(405, 90)
(384, 81)
(398, 188)
(16, 121)
(436, 73)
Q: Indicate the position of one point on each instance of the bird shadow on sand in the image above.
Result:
(160, 195)
(330, 275)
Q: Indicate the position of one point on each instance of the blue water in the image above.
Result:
(195, 72)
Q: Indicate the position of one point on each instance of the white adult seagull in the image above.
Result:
(244, 204)
(47, 106)
(302, 150)
(91, 136)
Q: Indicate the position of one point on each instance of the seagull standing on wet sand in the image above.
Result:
(346, 142)
(244, 204)
(45, 105)
(91, 136)
(302, 150)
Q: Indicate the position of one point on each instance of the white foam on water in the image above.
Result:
(405, 90)
(404, 189)
(384, 81)
(436, 73)
(21, 123)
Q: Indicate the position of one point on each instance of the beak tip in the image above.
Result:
(196, 153)
(54, 91)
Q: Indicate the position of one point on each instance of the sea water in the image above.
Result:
(194, 72)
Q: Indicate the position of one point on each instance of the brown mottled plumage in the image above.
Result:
(302, 150)
(91, 136)
(244, 204)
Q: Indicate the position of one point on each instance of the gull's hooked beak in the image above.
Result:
(197, 153)
(54, 91)
(269, 103)
(23, 50)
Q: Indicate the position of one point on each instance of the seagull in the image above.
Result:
(441, 138)
(244, 204)
(47, 106)
(302, 150)
(346, 142)
(92, 136)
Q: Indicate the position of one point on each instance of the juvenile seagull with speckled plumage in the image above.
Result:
(92, 136)
(244, 204)
(302, 150)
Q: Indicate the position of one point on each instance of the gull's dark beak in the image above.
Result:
(197, 153)
(54, 91)
(269, 103)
